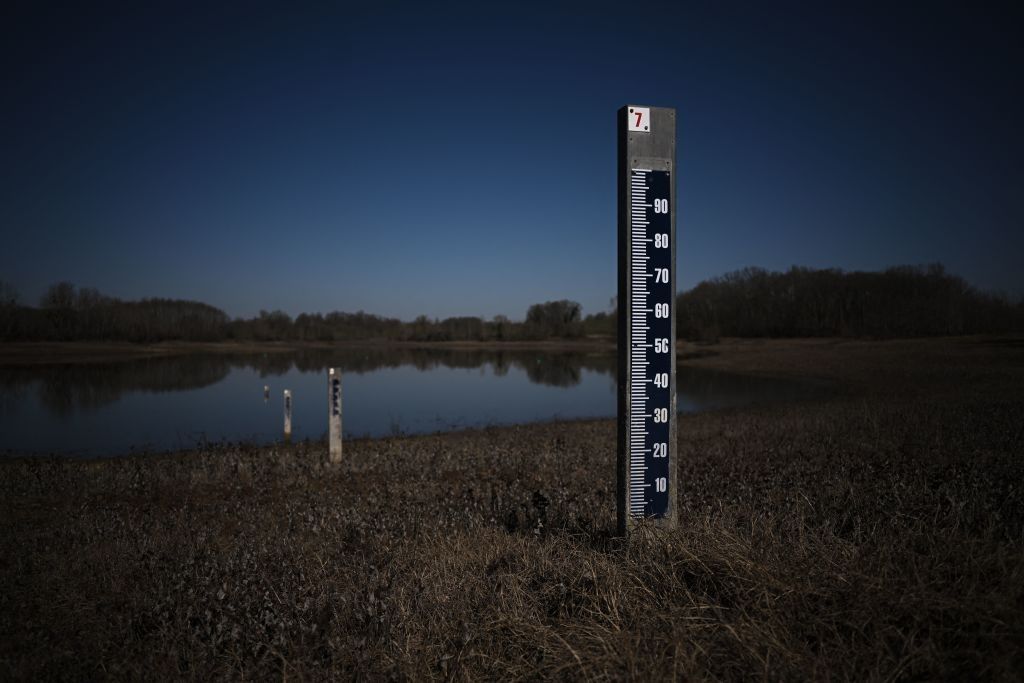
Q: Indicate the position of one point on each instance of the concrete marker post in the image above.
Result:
(287, 414)
(646, 471)
(334, 414)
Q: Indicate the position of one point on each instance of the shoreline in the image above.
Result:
(68, 352)
(745, 350)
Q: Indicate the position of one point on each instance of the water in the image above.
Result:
(160, 404)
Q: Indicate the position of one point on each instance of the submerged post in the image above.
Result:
(287, 413)
(334, 414)
(646, 317)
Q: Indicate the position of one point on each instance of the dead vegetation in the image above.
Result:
(875, 535)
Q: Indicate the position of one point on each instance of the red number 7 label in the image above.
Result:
(639, 119)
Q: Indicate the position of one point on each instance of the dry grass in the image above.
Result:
(873, 536)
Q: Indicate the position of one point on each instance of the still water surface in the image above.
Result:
(160, 404)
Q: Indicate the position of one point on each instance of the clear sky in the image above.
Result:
(452, 159)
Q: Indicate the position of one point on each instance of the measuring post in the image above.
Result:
(334, 414)
(287, 413)
(647, 313)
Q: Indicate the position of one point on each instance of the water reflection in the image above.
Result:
(82, 387)
(179, 401)
(66, 388)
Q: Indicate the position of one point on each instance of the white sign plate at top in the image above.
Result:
(640, 119)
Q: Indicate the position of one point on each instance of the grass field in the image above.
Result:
(874, 535)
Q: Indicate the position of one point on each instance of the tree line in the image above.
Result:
(68, 313)
(903, 301)
(553, 319)
(801, 302)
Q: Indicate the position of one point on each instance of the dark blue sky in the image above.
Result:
(460, 159)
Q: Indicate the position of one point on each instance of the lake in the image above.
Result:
(179, 402)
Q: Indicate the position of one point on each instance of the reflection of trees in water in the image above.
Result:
(563, 369)
(66, 388)
(12, 397)
(268, 364)
(558, 374)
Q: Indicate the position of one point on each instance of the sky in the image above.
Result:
(459, 159)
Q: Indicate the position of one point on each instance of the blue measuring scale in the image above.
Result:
(650, 344)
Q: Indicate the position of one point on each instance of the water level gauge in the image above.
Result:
(646, 343)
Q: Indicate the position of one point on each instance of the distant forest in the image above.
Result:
(904, 301)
